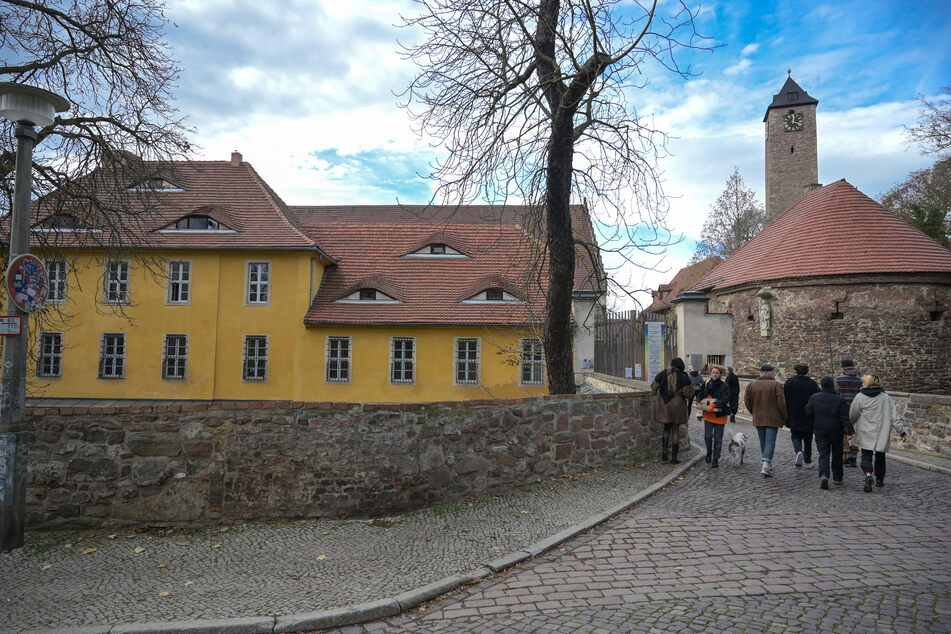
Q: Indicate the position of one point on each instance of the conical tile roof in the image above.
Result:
(834, 230)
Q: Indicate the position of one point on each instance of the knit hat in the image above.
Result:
(847, 363)
(678, 363)
(766, 368)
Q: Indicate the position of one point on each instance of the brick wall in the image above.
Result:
(228, 461)
(886, 328)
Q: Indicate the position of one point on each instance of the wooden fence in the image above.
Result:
(620, 344)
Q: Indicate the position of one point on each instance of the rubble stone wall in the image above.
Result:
(891, 329)
(230, 461)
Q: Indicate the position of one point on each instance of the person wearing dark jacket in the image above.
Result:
(734, 384)
(848, 385)
(716, 397)
(673, 392)
(797, 390)
(829, 413)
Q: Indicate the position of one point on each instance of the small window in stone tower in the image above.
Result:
(792, 149)
(836, 315)
(936, 315)
(792, 95)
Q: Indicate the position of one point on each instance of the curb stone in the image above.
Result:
(389, 606)
(918, 463)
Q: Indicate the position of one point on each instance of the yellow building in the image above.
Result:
(227, 293)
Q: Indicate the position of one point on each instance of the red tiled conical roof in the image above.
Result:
(834, 230)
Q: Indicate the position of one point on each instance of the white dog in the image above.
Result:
(737, 448)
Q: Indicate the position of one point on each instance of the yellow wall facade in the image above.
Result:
(216, 320)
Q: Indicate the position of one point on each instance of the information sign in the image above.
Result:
(654, 336)
(10, 325)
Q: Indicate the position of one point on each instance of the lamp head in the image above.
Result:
(29, 105)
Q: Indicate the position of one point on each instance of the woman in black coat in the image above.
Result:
(734, 384)
(829, 414)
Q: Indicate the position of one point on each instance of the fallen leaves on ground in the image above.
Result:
(47, 567)
(165, 593)
(321, 557)
(90, 551)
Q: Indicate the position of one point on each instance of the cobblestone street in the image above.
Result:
(729, 550)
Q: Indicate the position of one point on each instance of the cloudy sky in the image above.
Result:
(305, 90)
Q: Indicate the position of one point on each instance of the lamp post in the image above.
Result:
(25, 106)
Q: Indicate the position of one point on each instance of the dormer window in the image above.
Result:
(197, 223)
(368, 295)
(436, 250)
(792, 95)
(494, 294)
(157, 185)
(61, 222)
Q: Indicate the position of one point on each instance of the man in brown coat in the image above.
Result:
(764, 399)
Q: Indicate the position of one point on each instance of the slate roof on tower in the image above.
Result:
(835, 230)
(790, 95)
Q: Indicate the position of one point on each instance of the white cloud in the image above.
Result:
(740, 67)
(749, 49)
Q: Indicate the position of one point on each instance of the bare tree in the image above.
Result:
(734, 219)
(531, 100)
(109, 61)
(933, 131)
(924, 200)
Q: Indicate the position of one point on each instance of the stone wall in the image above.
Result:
(229, 461)
(886, 328)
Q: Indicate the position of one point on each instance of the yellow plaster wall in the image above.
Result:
(216, 321)
(435, 368)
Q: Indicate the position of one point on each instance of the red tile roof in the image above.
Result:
(834, 230)
(371, 244)
(684, 279)
(234, 195)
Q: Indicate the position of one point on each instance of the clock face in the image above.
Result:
(792, 122)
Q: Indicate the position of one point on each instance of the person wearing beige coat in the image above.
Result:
(673, 391)
(874, 413)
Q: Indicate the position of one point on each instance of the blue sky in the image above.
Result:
(305, 90)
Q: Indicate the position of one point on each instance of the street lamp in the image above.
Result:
(25, 106)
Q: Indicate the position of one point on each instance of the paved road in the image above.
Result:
(728, 550)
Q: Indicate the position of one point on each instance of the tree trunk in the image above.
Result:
(561, 256)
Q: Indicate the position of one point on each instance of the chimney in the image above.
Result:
(235, 158)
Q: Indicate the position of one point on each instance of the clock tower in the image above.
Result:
(792, 163)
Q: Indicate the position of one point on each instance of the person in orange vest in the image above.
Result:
(716, 412)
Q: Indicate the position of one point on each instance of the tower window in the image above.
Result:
(935, 315)
(792, 95)
(791, 149)
(837, 315)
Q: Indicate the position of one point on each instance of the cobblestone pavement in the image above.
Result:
(67, 579)
(729, 550)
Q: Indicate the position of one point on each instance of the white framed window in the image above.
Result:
(56, 269)
(466, 361)
(338, 359)
(116, 283)
(402, 360)
(50, 362)
(532, 362)
(259, 283)
(255, 358)
(174, 357)
(112, 349)
(179, 282)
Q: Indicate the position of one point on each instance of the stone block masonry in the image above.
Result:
(231, 461)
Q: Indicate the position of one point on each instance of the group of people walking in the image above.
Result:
(845, 414)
